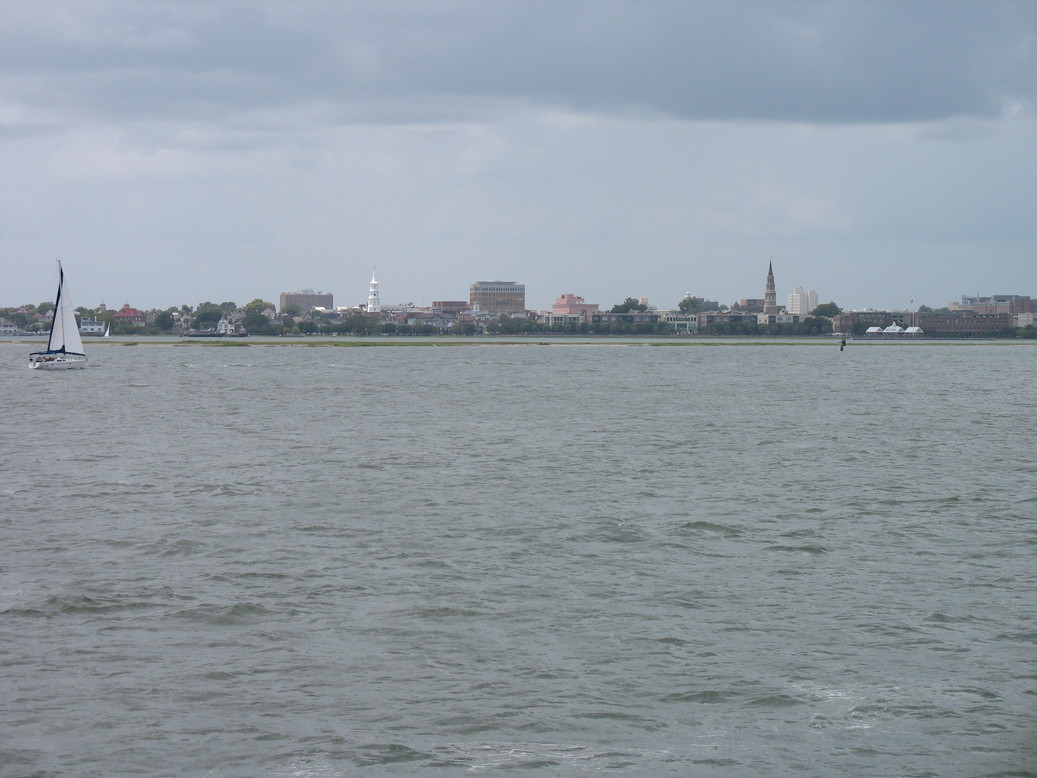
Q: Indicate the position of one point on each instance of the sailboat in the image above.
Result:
(107, 330)
(65, 345)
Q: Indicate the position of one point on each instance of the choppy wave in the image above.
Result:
(525, 561)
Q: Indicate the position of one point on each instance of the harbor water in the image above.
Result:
(707, 559)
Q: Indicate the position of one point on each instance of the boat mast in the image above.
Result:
(57, 311)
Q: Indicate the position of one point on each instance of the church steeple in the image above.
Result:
(374, 305)
(770, 297)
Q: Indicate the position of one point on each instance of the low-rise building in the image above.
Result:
(91, 326)
(962, 325)
(687, 323)
(997, 303)
(706, 318)
(130, 316)
(958, 324)
(630, 317)
(450, 306)
(750, 305)
(573, 305)
(780, 318)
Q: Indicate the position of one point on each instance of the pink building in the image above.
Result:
(571, 305)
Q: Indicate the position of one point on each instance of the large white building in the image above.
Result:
(801, 302)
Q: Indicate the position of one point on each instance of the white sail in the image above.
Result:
(107, 330)
(64, 334)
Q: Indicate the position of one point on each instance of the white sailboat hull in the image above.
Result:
(63, 362)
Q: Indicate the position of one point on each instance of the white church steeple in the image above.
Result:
(374, 305)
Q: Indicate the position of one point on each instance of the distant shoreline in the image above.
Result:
(448, 341)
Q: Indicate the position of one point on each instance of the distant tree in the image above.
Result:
(260, 305)
(691, 305)
(628, 305)
(206, 315)
(164, 321)
(255, 322)
(291, 310)
(20, 319)
(307, 327)
(828, 310)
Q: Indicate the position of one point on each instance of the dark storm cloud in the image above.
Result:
(822, 62)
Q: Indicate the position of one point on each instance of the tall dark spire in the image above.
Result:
(770, 297)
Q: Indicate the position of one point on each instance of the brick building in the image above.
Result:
(498, 297)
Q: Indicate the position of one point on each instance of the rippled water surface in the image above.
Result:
(724, 560)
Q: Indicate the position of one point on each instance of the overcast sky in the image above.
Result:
(175, 152)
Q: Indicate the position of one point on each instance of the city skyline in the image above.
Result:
(345, 299)
(877, 152)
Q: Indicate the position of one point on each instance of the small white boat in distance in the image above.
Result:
(65, 345)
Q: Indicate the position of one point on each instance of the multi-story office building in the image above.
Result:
(498, 297)
(307, 300)
(801, 302)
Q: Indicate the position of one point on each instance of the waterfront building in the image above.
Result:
(752, 305)
(687, 323)
(436, 320)
(780, 318)
(894, 332)
(91, 326)
(307, 300)
(560, 319)
(374, 305)
(858, 322)
(131, 316)
(958, 324)
(997, 303)
(706, 318)
(449, 306)
(630, 317)
(572, 305)
(802, 302)
(498, 297)
(964, 324)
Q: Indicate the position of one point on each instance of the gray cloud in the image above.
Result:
(827, 62)
(229, 149)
